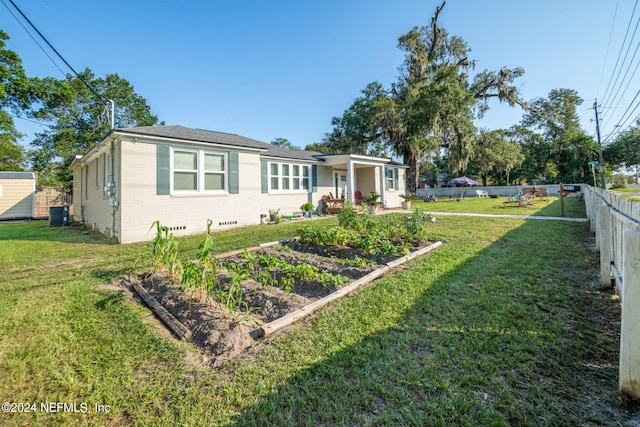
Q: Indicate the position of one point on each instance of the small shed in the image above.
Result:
(17, 195)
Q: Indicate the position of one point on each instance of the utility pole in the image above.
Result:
(112, 113)
(600, 159)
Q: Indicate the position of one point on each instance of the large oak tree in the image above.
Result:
(563, 149)
(432, 105)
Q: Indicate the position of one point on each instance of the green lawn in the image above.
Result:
(620, 191)
(495, 328)
(486, 205)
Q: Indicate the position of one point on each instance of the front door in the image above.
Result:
(340, 184)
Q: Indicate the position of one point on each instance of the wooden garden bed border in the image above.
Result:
(286, 320)
(272, 327)
(167, 318)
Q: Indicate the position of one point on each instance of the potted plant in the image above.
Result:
(307, 210)
(274, 216)
(372, 201)
(406, 200)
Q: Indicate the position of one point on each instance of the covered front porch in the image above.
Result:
(355, 176)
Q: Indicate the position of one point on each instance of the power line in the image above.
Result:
(619, 126)
(27, 120)
(606, 55)
(620, 82)
(97, 95)
(607, 94)
(33, 38)
(627, 86)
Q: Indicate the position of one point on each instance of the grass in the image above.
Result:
(624, 190)
(486, 205)
(494, 328)
(634, 199)
(620, 191)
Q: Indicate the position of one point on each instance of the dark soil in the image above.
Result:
(221, 335)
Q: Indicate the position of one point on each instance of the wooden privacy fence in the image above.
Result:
(616, 224)
(49, 196)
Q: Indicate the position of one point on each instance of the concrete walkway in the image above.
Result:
(548, 218)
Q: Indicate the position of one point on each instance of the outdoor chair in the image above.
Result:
(358, 198)
(482, 193)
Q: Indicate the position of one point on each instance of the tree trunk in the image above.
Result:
(411, 160)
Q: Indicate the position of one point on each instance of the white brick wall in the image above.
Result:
(184, 215)
(139, 205)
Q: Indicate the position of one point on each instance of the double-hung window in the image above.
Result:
(288, 177)
(198, 171)
(185, 170)
(390, 175)
(275, 176)
(214, 172)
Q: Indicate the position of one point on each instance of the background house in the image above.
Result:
(183, 177)
(17, 195)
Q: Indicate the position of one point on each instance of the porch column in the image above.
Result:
(351, 181)
(383, 197)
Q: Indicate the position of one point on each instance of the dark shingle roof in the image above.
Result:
(17, 175)
(212, 137)
(276, 151)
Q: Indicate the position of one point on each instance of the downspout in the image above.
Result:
(81, 195)
(112, 184)
(382, 178)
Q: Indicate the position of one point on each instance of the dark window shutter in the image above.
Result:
(314, 178)
(264, 178)
(395, 179)
(163, 179)
(234, 175)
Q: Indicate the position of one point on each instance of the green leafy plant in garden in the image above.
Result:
(371, 234)
(200, 276)
(306, 271)
(232, 297)
(265, 278)
(348, 216)
(330, 236)
(269, 270)
(416, 223)
(332, 279)
(377, 242)
(356, 261)
(165, 250)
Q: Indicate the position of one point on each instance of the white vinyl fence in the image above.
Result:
(616, 224)
(502, 191)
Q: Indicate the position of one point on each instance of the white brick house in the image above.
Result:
(184, 177)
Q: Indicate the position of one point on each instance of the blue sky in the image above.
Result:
(269, 69)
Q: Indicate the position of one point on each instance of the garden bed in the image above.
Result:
(221, 334)
(224, 303)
